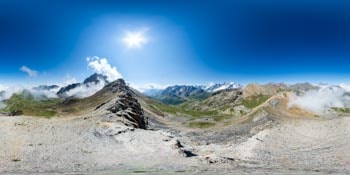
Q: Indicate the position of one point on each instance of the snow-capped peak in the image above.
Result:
(214, 87)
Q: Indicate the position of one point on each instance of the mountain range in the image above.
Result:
(223, 98)
(214, 87)
(180, 93)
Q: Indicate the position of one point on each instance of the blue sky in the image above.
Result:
(187, 41)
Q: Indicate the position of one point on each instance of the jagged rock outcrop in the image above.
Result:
(125, 107)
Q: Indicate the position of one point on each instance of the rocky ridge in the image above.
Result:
(125, 107)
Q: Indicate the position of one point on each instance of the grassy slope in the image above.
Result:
(181, 111)
(44, 107)
(343, 110)
(31, 106)
(78, 106)
(185, 110)
(254, 101)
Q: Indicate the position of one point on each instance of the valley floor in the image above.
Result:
(88, 145)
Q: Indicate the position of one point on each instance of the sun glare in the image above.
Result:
(135, 39)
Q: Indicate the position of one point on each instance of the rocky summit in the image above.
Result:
(125, 107)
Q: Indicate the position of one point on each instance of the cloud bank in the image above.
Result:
(322, 100)
(6, 92)
(149, 86)
(44, 93)
(30, 72)
(83, 90)
(101, 66)
(149, 89)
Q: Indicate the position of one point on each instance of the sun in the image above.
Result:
(135, 39)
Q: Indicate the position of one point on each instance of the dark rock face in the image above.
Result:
(96, 78)
(126, 106)
(117, 86)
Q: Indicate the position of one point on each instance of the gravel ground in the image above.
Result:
(87, 145)
(33, 145)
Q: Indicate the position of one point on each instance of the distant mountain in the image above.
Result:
(222, 86)
(180, 93)
(46, 87)
(301, 88)
(152, 92)
(90, 85)
(96, 78)
(63, 91)
(266, 89)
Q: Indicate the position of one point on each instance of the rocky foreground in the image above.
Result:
(31, 145)
(89, 145)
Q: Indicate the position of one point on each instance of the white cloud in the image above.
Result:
(319, 101)
(83, 91)
(345, 86)
(8, 91)
(46, 93)
(30, 72)
(101, 66)
(3, 87)
(149, 86)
